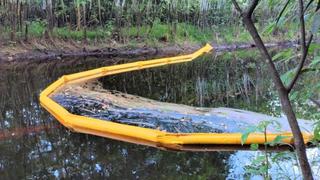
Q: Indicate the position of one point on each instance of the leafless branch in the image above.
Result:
(305, 46)
(302, 27)
(308, 5)
(236, 5)
(315, 102)
(258, 41)
(282, 11)
(252, 7)
(300, 66)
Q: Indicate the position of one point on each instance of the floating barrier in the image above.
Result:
(140, 135)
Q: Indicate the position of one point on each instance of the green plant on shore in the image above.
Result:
(261, 165)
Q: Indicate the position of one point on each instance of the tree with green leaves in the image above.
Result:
(282, 88)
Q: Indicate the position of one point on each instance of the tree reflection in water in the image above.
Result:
(29, 149)
(34, 145)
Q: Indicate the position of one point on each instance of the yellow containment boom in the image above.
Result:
(140, 135)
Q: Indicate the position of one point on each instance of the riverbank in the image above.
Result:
(51, 49)
(56, 49)
(129, 42)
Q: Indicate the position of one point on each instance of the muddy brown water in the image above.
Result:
(34, 145)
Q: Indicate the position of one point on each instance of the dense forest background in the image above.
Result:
(136, 20)
(157, 22)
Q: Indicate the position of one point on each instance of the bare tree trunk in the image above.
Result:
(258, 79)
(50, 16)
(64, 18)
(78, 15)
(13, 17)
(139, 21)
(99, 12)
(85, 40)
(20, 15)
(298, 139)
(282, 90)
(26, 31)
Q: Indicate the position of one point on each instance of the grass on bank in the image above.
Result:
(157, 34)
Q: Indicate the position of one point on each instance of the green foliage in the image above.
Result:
(284, 11)
(37, 28)
(288, 76)
(284, 56)
(246, 133)
(254, 147)
(315, 62)
(269, 28)
(317, 132)
(261, 128)
(66, 33)
(300, 96)
(258, 167)
(278, 140)
(162, 32)
(152, 21)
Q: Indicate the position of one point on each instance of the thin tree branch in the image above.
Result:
(300, 66)
(305, 46)
(259, 43)
(282, 11)
(252, 7)
(238, 8)
(283, 93)
(302, 27)
(315, 102)
(308, 5)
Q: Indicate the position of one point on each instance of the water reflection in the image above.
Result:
(210, 82)
(65, 154)
(30, 151)
(283, 165)
(34, 145)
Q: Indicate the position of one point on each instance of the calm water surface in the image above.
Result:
(34, 145)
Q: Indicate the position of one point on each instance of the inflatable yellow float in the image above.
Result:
(140, 135)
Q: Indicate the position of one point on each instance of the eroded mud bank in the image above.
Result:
(57, 50)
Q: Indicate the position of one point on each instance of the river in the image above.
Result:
(34, 145)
